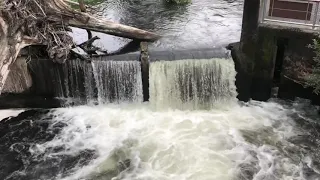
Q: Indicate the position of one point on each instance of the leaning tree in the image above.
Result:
(47, 22)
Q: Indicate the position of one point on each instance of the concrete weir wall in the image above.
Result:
(38, 82)
(264, 55)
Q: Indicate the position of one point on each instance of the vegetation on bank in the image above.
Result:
(313, 78)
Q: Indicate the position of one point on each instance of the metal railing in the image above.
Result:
(304, 13)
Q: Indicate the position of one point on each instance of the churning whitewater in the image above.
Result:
(192, 83)
(134, 142)
(193, 128)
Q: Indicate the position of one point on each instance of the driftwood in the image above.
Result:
(29, 22)
(84, 9)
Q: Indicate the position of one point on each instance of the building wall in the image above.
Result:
(260, 53)
(289, 9)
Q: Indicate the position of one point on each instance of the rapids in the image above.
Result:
(255, 140)
(193, 128)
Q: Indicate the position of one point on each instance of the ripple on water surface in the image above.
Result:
(201, 24)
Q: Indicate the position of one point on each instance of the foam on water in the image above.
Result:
(192, 129)
(137, 143)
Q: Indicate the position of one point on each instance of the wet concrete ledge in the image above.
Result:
(122, 57)
(206, 53)
(13, 101)
(43, 91)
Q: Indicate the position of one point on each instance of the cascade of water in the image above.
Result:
(75, 80)
(118, 81)
(258, 140)
(101, 81)
(192, 84)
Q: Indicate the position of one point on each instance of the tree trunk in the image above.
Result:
(109, 27)
(85, 21)
(10, 47)
(36, 19)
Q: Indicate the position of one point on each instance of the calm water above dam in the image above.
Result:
(193, 128)
(202, 24)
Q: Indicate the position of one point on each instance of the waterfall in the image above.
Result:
(179, 80)
(192, 83)
(103, 80)
(118, 81)
(68, 80)
(74, 80)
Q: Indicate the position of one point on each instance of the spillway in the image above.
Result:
(192, 83)
(193, 128)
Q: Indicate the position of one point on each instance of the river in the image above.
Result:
(193, 127)
(256, 140)
(202, 24)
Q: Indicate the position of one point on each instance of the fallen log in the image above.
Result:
(45, 22)
(109, 27)
(84, 9)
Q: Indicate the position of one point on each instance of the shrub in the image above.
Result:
(313, 78)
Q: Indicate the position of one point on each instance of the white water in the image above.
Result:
(174, 144)
(99, 82)
(226, 141)
(118, 81)
(192, 83)
(9, 113)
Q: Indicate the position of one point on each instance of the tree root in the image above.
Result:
(47, 22)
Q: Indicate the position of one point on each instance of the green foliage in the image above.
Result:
(178, 1)
(313, 79)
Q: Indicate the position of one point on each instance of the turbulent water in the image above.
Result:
(192, 83)
(257, 140)
(193, 128)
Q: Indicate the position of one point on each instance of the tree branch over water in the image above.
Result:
(46, 22)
